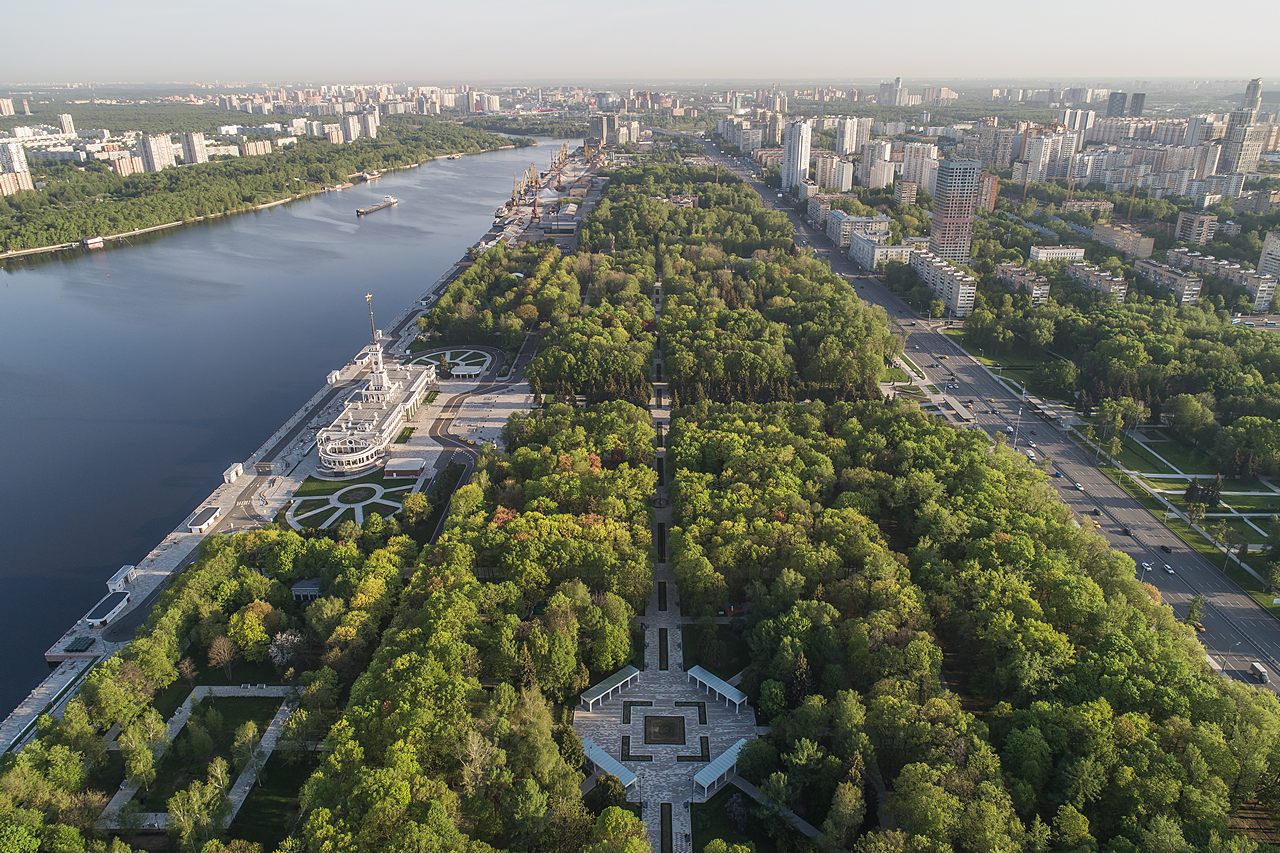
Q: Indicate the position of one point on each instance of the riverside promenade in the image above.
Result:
(253, 493)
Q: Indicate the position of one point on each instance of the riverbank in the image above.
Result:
(216, 336)
(137, 232)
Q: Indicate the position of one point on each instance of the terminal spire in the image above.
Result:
(378, 373)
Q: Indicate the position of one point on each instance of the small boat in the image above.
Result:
(455, 156)
(387, 201)
(371, 176)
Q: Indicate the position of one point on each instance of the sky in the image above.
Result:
(1086, 41)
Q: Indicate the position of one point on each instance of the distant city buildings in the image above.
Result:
(955, 204)
(1259, 284)
(255, 147)
(875, 171)
(15, 176)
(66, 124)
(6, 106)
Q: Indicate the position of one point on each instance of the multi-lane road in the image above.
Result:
(1238, 630)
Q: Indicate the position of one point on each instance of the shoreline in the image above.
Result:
(180, 546)
(15, 254)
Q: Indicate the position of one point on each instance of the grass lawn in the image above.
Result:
(268, 814)
(176, 770)
(405, 435)
(242, 672)
(311, 505)
(1254, 503)
(314, 486)
(1187, 458)
(718, 648)
(1240, 531)
(1247, 582)
(894, 374)
(1137, 458)
(710, 822)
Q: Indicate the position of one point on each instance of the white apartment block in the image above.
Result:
(842, 226)
(1269, 260)
(1095, 279)
(1196, 228)
(1124, 239)
(795, 157)
(1260, 285)
(955, 287)
(1185, 286)
(873, 252)
(1057, 253)
(1018, 277)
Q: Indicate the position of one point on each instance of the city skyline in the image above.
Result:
(992, 39)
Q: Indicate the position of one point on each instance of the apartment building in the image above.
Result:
(955, 287)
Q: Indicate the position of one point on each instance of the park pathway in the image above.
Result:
(110, 818)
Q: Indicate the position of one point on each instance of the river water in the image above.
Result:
(130, 378)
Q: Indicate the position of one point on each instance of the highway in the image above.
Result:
(1237, 629)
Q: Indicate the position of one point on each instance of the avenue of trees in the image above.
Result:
(868, 538)
(79, 203)
(455, 734)
(744, 317)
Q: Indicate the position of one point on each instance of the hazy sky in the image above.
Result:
(431, 40)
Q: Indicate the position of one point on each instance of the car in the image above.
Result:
(1008, 429)
(942, 356)
(1095, 511)
(1168, 569)
(1077, 487)
(1126, 531)
(1033, 432)
(1031, 443)
(1057, 473)
(1166, 549)
(1146, 567)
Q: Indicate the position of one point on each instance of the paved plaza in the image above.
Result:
(662, 725)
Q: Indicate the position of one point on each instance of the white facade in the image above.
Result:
(157, 152)
(1269, 260)
(955, 287)
(795, 157)
(1057, 253)
(1095, 279)
(1019, 277)
(194, 149)
(872, 252)
(357, 440)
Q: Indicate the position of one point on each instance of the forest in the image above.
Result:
(556, 127)
(946, 657)
(95, 201)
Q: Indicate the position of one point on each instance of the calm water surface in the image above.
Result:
(130, 378)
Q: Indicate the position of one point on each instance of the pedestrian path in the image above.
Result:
(110, 818)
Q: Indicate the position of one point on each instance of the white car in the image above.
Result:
(1078, 487)
(1009, 430)
(1146, 567)
(1168, 569)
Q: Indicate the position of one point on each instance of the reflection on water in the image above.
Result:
(130, 378)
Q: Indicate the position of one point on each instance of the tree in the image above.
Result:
(139, 743)
(195, 811)
(187, 669)
(608, 792)
(243, 744)
(222, 653)
(1195, 610)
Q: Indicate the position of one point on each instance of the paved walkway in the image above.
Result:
(709, 726)
(266, 745)
(128, 790)
(802, 826)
